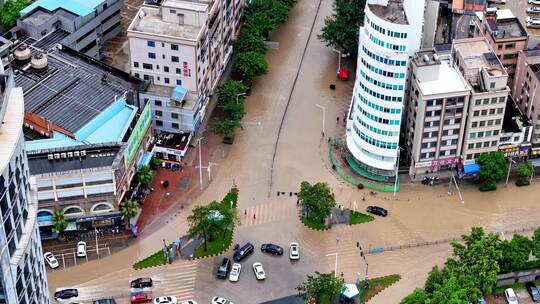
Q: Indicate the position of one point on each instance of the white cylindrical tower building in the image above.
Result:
(391, 33)
(23, 279)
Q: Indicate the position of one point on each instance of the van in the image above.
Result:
(243, 252)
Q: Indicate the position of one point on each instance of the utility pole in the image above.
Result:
(509, 168)
(397, 173)
(323, 116)
(238, 95)
(97, 246)
(200, 161)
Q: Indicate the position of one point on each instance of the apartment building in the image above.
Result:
(182, 43)
(526, 91)
(81, 25)
(488, 79)
(437, 110)
(391, 33)
(22, 278)
(505, 34)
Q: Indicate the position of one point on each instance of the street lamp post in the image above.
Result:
(200, 162)
(323, 116)
(397, 173)
(508, 173)
(335, 264)
(97, 246)
(238, 95)
(339, 59)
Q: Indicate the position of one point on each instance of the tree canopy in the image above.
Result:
(524, 171)
(145, 175)
(59, 221)
(340, 31)
(515, 253)
(10, 10)
(318, 285)
(492, 169)
(316, 200)
(129, 209)
(251, 65)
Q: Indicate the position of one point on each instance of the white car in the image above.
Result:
(234, 275)
(189, 302)
(259, 271)
(510, 296)
(165, 300)
(219, 300)
(533, 10)
(531, 19)
(497, 1)
(51, 260)
(537, 2)
(81, 249)
(294, 251)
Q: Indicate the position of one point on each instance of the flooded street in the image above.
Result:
(417, 214)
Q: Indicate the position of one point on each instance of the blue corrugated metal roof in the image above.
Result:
(77, 7)
(178, 93)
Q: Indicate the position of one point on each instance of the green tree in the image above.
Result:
(261, 23)
(229, 90)
(452, 291)
(493, 167)
(129, 210)
(145, 175)
(250, 65)
(319, 285)
(59, 221)
(316, 201)
(229, 217)
(418, 296)
(515, 253)
(10, 10)
(275, 11)
(289, 3)
(475, 260)
(235, 110)
(340, 31)
(201, 225)
(435, 278)
(524, 170)
(536, 243)
(225, 127)
(250, 40)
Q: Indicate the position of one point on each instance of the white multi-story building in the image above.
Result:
(185, 43)
(391, 34)
(22, 270)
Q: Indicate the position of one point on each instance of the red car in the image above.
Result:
(140, 297)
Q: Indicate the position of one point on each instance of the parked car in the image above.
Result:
(535, 2)
(141, 283)
(189, 302)
(243, 252)
(531, 19)
(533, 291)
(51, 260)
(235, 272)
(510, 295)
(66, 294)
(259, 271)
(272, 249)
(105, 301)
(533, 10)
(377, 210)
(294, 251)
(165, 300)
(223, 269)
(141, 297)
(497, 1)
(81, 249)
(533, 24)
(219, 300)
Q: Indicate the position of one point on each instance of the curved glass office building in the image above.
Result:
(391, 34)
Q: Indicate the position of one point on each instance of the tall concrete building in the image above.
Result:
(391, 34)
(22, 279)
(182, 47)
(487, 77)
(437, 109)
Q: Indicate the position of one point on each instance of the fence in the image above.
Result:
(351, 179)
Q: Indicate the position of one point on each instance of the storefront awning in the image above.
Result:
(471, 169)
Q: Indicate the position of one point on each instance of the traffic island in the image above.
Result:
(359, 218)
(376, 285)
(157, 259)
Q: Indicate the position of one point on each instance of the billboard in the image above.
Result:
(137, 135)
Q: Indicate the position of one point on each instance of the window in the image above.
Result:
(158, 113)
(484, 112)
(491, 111)
(510, 46)
(174, 115)
(486, 144)
(472, 135)
(151, 43)
(180, 18)
(478, 145)
(499, 47)
(172, 12)
(476, 113)
(175, 125)
(492, 84)
(157, 103)
(474, 124)
(167, 80)
(500, 110)
(152, 55)
(496, 132)
(178, 71)
(509, 56)
(146, 77)
(494, 143)
(175, 59)
(470, 146)
(490, 122)
(498, 121)
(135, 64)
(147, 66)
(159, 123)
(178, 82)
(494, 100)
(166, 69)
(137, 75)
(174, 47)
(483, 123)
(478, 102)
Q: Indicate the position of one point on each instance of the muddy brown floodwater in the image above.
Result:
(417, 214)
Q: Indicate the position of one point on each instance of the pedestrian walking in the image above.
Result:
(254, 217)
(337, 239)
(337, 119)
(245, 211)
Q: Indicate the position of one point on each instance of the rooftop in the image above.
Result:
(190, 101)
(392, 12)
(149, 21)
(72, 90)
(194, 5)
(12, 122)
(531, 52)
(441, 78)
(66, 159)
(77, 7)
(477, 54)
(503, 24)
(535, 68)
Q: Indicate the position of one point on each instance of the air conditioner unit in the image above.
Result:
(83, 153)
(63, 155)
(70, 154)
(56, 155)
(76, 153)
(50, 156)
